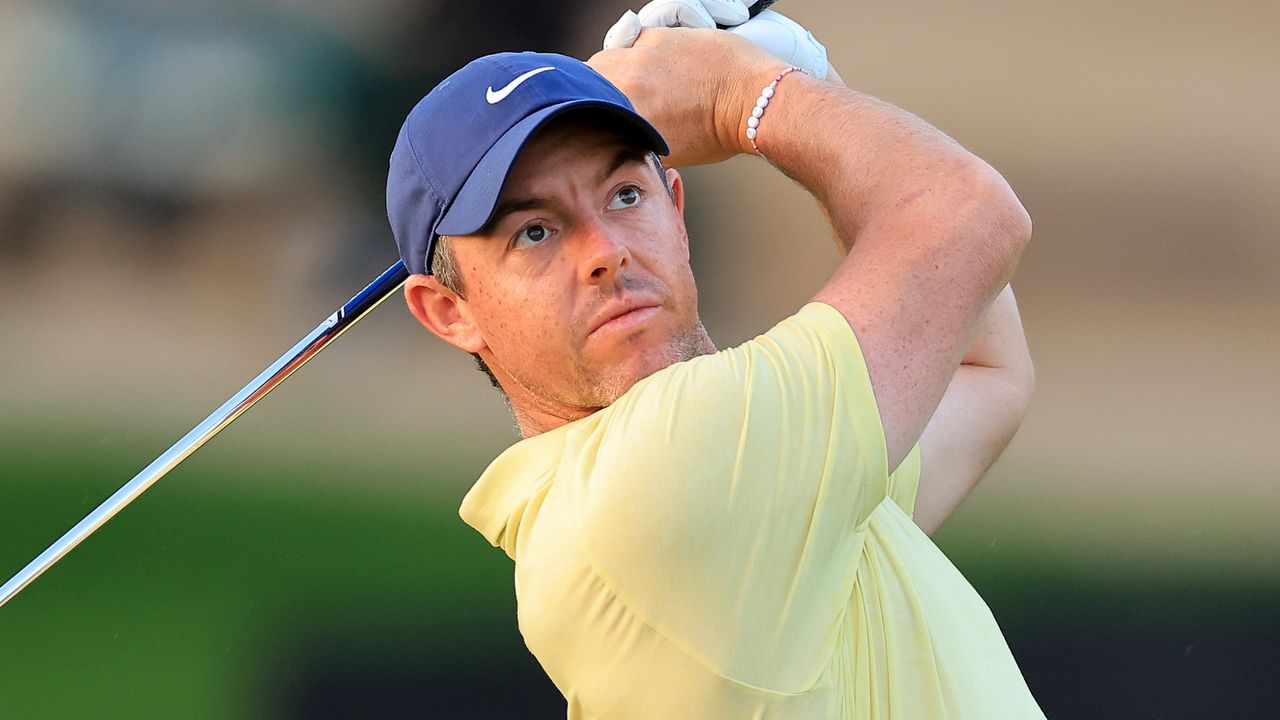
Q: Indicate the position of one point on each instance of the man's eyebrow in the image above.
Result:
(515, 205)
(624, 156)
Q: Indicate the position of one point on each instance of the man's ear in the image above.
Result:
(677, 197)
(677, 188)
(443, 312)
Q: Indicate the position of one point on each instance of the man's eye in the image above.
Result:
(624, 198)
(532, 235)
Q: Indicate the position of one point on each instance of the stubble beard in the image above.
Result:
(596, 386)
(601, 387)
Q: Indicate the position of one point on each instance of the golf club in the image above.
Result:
(306, 348)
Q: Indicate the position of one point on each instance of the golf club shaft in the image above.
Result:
(299, 354)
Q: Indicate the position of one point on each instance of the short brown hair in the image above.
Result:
(445, 269)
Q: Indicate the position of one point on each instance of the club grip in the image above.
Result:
(754, 10)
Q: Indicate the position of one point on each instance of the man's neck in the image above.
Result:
(533, 420)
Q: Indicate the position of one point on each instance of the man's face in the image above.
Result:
(580, 285)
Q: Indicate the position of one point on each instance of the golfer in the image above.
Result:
(722, 534)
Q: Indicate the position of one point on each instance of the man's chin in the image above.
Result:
(640, 362)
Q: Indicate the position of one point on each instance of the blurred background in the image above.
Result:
(188, 187)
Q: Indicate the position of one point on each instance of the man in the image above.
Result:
(702, 534)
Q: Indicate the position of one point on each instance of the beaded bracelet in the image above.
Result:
(753, 122)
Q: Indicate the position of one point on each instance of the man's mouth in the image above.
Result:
(626, 316)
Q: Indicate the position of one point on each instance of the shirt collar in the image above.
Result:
(496, 503)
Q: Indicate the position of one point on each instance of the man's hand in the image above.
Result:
(777, 34)
(701, 114)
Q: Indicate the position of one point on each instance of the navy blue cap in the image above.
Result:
(459, 143)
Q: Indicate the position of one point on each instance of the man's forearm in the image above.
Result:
(864, 160)
(900, 195)
(932, 232)
(981, 410)
(1001, 344)
(978, 416)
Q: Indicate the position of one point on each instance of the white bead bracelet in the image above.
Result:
(762, 102)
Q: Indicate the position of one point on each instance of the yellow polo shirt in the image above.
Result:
(725, 541)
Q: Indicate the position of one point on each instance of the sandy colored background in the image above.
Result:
(185, 191)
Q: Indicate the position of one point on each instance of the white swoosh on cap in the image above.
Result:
(497, 97)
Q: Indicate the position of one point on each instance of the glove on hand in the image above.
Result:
(781, 36)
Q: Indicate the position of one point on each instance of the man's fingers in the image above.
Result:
(623, 34)
(676, 13)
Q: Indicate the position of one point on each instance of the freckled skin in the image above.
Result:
(531, 307)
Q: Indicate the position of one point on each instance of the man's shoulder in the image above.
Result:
(815, 333)
(502, 492)
(668, 446)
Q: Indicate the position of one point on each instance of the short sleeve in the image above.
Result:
(724, 499)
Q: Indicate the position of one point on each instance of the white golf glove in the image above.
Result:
(781, 36)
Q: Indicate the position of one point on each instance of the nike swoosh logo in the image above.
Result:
(497, 97)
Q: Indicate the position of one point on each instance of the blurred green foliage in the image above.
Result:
(218, 600)
(220, 593)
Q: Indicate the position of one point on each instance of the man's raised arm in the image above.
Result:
(932, 232)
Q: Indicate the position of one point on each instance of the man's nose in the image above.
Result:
(604, 253)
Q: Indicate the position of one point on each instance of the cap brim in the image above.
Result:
(475, 202)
